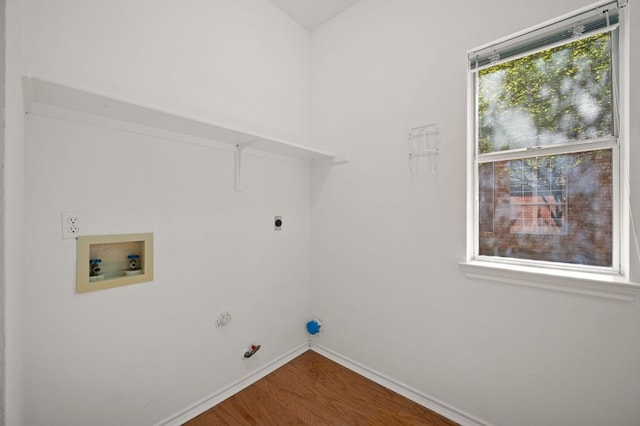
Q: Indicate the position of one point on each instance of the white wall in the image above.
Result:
(634, 132)
(139, 354)
(2, 208)
(136, 355)
(13, 245)
(241, 63)
(385, 278)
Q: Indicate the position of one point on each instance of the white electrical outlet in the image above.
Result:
(71, 224)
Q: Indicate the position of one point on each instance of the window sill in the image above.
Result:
(604, 286)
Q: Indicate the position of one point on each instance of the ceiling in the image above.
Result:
(313, 13)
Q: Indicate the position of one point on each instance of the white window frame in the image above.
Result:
(611, 283)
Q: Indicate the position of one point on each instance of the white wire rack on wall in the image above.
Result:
(424, 144)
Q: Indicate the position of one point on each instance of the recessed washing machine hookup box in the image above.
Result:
(107, 261)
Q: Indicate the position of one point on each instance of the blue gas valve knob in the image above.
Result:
(313, 327)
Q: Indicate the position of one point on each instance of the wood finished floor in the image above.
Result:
(313, 390)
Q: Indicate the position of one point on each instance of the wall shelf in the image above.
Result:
(39, 91)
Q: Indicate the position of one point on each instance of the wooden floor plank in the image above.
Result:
(313, 390)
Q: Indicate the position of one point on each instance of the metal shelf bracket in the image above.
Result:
(238, 157)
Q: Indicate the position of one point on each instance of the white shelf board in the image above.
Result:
(40, 91)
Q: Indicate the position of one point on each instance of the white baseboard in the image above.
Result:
(433, 404)
(215, 398)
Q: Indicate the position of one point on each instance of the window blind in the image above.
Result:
(583, 24)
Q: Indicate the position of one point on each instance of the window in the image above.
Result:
(546, 144)
(537, 196)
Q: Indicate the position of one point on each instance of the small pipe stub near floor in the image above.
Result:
(251, 351)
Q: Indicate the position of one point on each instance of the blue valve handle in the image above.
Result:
(313, 327)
